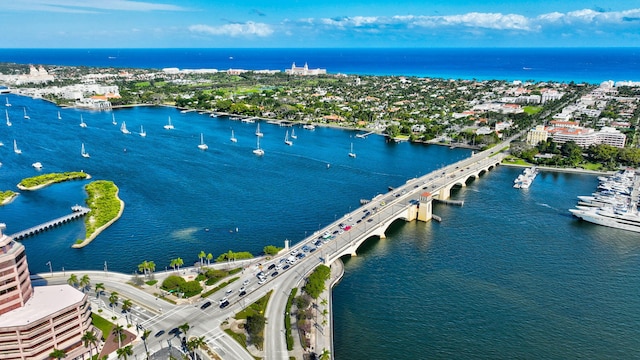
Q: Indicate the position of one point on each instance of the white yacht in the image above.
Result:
(611, 217)
(257, 150)
(309, 127)
(169, 126)
(286, 139)
(83, 152)
(202, 145)
(123, 128)
(37, 165)
(351, 153)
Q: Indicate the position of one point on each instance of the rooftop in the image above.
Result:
(46, 300)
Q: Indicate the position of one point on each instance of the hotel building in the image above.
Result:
(35, 321)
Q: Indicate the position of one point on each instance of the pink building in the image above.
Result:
(34, 321)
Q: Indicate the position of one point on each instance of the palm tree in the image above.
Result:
(73, 280)
(326, 355)
(209, 258)
(99, 289)
(89, 339)
(125, 352)
(184, 328)
(201, 256)
(143, 266)
(58, 354)
(145, 335)
(126, 305)
(177, 262)
(84, 282)
(195, 344)
(118, 332)
(151, 266)
(113, 300)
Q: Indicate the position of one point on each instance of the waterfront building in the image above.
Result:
(537, 135)
(584, 137)
(36, 320)
(304, 71)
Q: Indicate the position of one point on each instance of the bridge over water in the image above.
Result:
(78, 212)
(411, 201)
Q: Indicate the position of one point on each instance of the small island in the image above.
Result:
(40, 181)
(106, 207)
(7, 197)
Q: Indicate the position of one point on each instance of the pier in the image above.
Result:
(363, 136)
(78, 212)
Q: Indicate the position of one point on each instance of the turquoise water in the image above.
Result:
(509, 275)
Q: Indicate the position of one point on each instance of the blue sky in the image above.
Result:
(324, 23)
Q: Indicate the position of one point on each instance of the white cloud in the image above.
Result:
(88, 6)
(588, 16)
(247, 29)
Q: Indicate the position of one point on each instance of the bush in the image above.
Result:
(173, 282)
(231, 256)
(271, 250)
(315, 282)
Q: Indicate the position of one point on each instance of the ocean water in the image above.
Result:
(509, 275)
(592, 65)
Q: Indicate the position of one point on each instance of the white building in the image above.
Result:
(296, 70)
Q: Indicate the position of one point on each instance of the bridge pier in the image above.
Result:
(425, 207)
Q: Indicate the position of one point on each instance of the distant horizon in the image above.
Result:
(330, 23)
(326, 47)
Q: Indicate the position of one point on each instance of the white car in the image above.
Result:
(228, 291)
(262, 281)
(245, 283)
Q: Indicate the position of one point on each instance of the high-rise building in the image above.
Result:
(35, 321)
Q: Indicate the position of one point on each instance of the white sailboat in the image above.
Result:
(123, 128)
(233, 138)
(25, 114)
(286, 139)
(113, 119)
(15, 147)
(6, 113)
(258, 133)
(351, 153)
(82, 123)
(293, 134)
(169, 126)
(83, 152)
(59, 116)
(258, 151)
(142, 132)
(7, 103)
(202, 145)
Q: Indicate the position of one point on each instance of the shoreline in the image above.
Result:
(38, 187)
(562, 170)
(9, 200)
(97, 232)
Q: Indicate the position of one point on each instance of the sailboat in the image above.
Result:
(7, 115)
(25, 114)
(59, 116)
(258, 133)
(351, 153)
(293, 134)
(233, 138)
(286, 139)
(15, 147)
(83, 152)
(258, 151)
(142, 132)
(202, 145)
(82, 123)
(113, 119)
(123, 128)
(169, 126)
(7, 104)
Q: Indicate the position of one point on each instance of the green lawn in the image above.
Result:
(531, 110)
(103, 324)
